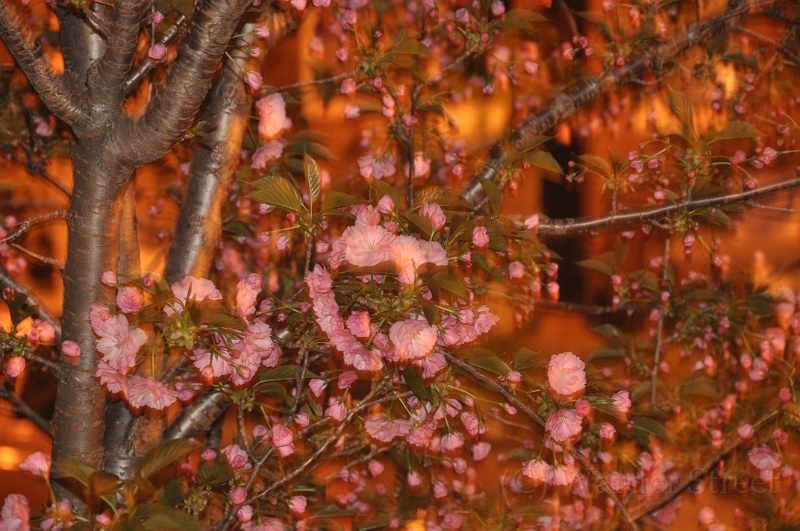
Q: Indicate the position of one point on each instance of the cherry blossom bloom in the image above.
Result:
(283, 439)
(516, 270)
(16, 513)
(413, 338)
(763, 458)
(272, 115)
(130, 299)
(348, 86)
(253, 80)
(109, 278)
(41, 332)
(563, 424)
(262, 32)
(336, 410)
(746, 431)
(238, 496)
(434, 213)
(451, 441)
(365, 245)
(37, 463)
(272, 150)
(706, 516)
(114, 381)
(532, 223)
(216, 364)
(480, 238)
(236, 457)
(119, 343)
(71, 349)
(158, 51)
(431, 365)
(297, 504)
(317, 386)
(351, 112)
(245, 513)
(15, 366)
(440, 490)
(480, 450)
(537, 470)
(607, 431)
(410, 253)
(470, 422)
(158, 17)
(422, 165)
(198, 289)
(378, 427)
(621, 402)
(563, 474)
(359, 324)
(414, 479)
(98, 315)
(582, 408)
(149, 392)
(566, 374)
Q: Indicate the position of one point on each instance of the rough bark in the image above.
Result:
(52, 88)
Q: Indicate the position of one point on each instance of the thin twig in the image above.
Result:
(50, 364)
(564, 227)
(780, 46)
(146, 64)
(8, 281)
(332, 79)
(660, 330)
(44, 259)
(24, 226)
(788, 210)
(25, 410)
(493, 385)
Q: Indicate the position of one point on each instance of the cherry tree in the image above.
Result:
(340, 313)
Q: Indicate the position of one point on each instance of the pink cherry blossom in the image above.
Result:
(37, 463)
(238, 496)
(16, 513)
(480, 238)
(365, 245)
(119, 343)
(763, 458)
(537, 470)
(272, 150)
(563, 425)
(98, 315)
(746, 431)
(15, 366)
(149, 392)
(384, 430)
(236, 457)
(283, 439)
(348, 86)
(470, 422)
(130, 299)
(621, 402)
(197, 289)
(109, 278)
(346, 379)
(157, 52)
(607, 431)
(41, 332)
(414, 479)
(71, 349)
(272, 115)
(336, 410)
(253, 80)
(516, 270)
(317, 386)
(413, 338)
(565, 373)
(434, 213)
(114, 381)
(297, 504)
(409, 254)
(480, 450)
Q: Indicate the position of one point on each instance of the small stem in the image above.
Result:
(660, 330)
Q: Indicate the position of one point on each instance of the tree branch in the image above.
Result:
(174, 107)
(569, 226)
(26, 225)
(579, 94)
(106, 77)
(51, 87)
(144, 67)
(197, 418)
(25, 410)
(7, 281)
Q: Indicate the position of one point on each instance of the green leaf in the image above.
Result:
(422, 223)
(382, 521)
(452, 283)
(606, 353)
(76, 469)
(738, 129)
(492, 364)
(700, 387)
(237, 228)
(643, 427)
(387, 189)
(525, 358)
(332, 509)
(545, 160)
(598, 19)
(410, 46)
(599, 162)
(313, 177)
(102, 484)
(444, 198)
(608, 330)
(518, 19)
(760, 303)
(214, 472)
(415, 383)
(739, 57)
(335, 200)
(597, 265)
(278, 192)
(163, 455)
(493, 194)
(282, 372)
(641, 390)
(680, 105)
(163, 518)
